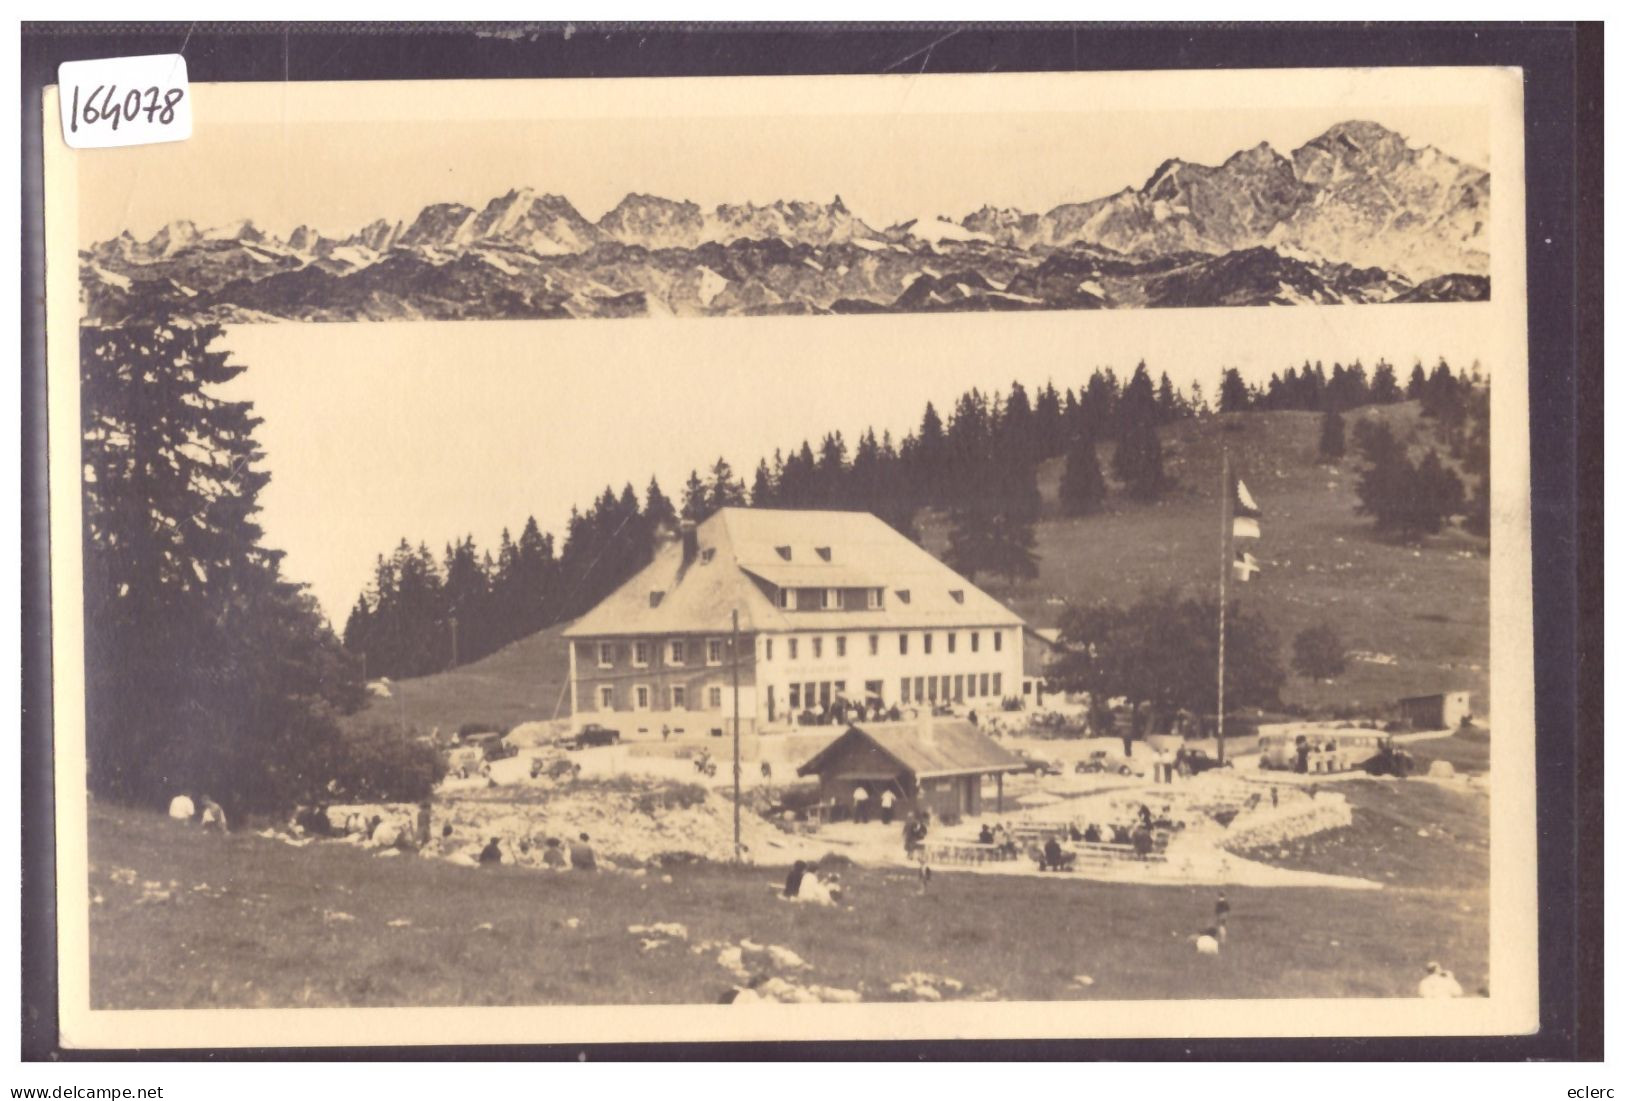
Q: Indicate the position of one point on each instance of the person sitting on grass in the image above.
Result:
(814, 889)
(491, 855)
(553, 854)
(581, 856)
(793, 881)
(1092, 834)
(986, 836)
(213, 816)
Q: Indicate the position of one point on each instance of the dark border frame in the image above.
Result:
(1562, 66)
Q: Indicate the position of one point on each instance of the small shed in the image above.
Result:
(1441, 711)
(933, 764)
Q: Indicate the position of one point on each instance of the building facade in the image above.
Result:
(833, 608)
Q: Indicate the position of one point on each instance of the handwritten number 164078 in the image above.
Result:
(112, 108)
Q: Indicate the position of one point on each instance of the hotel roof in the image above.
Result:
(743, 553)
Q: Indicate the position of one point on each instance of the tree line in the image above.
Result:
(977, 465)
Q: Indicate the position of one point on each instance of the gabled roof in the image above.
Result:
(954, 747)
(745, 561)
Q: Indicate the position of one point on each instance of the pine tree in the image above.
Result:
(1384, 386)
(1418, 384)
(1083, 487)
(205, 669)
(696, 500)
(761, 487)
(1138, 462)
(1233, 395)
(724, 490)
(657, 507)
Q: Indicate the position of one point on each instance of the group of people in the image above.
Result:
(844, 712)
(862, 800)
(205, 812)
(807, 883)
(553, 854)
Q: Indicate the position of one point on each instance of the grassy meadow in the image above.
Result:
(252, 922)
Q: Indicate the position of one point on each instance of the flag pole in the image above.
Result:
(1224, 580)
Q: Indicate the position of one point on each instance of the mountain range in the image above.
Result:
(1354, 216)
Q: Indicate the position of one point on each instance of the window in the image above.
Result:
(706, 555)
(984, 684)
(928, 642)
(606, 697)
(713, 651)
(919, 689)
(902, 594)
(818, 647)
(606, 655)
(679, 698)
(784, 552)
(794, 646)
(795, 698)
(959, 684)
(953, 640)
(641, 695)
(998, 684)
(678, 653)
(823, 552)
(716, 696)
(931, 688)
(840, 646)
(874, 645)
(873, 598)
(998, 640)
(787, 599)
(958, 595)
(902, 644)
(833, 599)
(767, 654)
(907, 695)
(640, 653)
(975, 641)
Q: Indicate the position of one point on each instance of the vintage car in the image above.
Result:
(594, 734)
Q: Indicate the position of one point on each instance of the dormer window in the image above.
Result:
(823, 552)
(707, 554)
(787, 599)
(655, 597)
(958, 595)
(834, 600)
(903, 594)
(873, 597)
(784, 552)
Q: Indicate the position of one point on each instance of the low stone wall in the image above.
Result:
(1268, 826)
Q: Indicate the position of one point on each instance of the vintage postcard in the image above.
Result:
(914, 556)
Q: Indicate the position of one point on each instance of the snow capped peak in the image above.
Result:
(934, 228)
(240, 230)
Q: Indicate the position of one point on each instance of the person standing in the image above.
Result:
(860, 805)
(888, 804)
(1221, 916)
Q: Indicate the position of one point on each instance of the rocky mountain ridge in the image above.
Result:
(1355, 215)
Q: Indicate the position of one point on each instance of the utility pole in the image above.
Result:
(1224, 580)
(738, 847)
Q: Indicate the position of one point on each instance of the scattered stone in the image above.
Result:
(785, 958)
(661, 929)
(484, 926)
(336, 915)
(399, 923)
(1083, 980)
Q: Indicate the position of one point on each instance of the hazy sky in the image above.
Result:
(435, 430)
(339, 176)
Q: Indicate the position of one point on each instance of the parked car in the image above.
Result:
(594, 734)
(492, 745)
(1102, 760)
(1197, 761)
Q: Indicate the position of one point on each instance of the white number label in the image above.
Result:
(125, 101)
